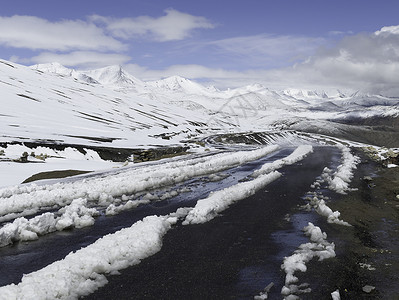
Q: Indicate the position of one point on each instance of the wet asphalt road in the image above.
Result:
(234, 256)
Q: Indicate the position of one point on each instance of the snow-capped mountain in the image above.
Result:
(114, 76)
(111, 107)
(180, 84)
(57, 68)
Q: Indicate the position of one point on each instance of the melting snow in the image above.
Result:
(82, 272)
(105, 191)
(317, 247)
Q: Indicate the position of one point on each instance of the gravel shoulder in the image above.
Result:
(367, 264)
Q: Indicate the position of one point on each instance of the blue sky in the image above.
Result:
(228, 43)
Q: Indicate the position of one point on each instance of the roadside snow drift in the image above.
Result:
(317, 247)
(82, 272)
(75, 198)
(206, 209)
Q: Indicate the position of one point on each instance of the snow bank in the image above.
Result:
(25, 230)
(317, 247)
(337, 181)
(332, 216)
(340, 180)
(112, 209)
(208, 208)
(299, 153)
(317, 202)
(335, 295)
(74, 215)
(82, 272)
(27, 199)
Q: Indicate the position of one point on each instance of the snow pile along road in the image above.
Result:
(339, 181)
(27, 199)
(101, 191)
(299, 153)
(206, 209)
(317, 247)
(77, 214)
(82, 272)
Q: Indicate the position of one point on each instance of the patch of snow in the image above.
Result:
(75, 214)
(25, 230)
(317, 247)
(335, 295)
(339, 181)
(299, 153)
(208, 208)
(112, 209)
(332, 216)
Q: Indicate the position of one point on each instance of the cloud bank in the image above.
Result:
(96, 41)
(39, 34)
(173, 26)
(364, 61)
(368, 62)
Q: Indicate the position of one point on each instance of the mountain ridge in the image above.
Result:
(110, 107)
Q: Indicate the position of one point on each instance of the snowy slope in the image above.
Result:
(59, 107)
(113, 76)
(110, 107)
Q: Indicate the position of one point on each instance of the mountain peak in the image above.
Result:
(53, 67)
(114, 75)
(179, 84)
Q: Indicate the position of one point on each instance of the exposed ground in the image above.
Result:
(367, 252)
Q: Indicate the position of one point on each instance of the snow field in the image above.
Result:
(45, 160)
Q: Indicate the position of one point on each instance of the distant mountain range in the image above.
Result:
(110, 107)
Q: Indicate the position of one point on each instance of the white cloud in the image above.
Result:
(36, 33)
(388, 30)
(174, 25)
(268, 50)
(366, 62)
(80, 59)
(369, 62)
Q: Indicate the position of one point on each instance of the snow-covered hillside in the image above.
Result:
(50, 103)
(110, 107)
